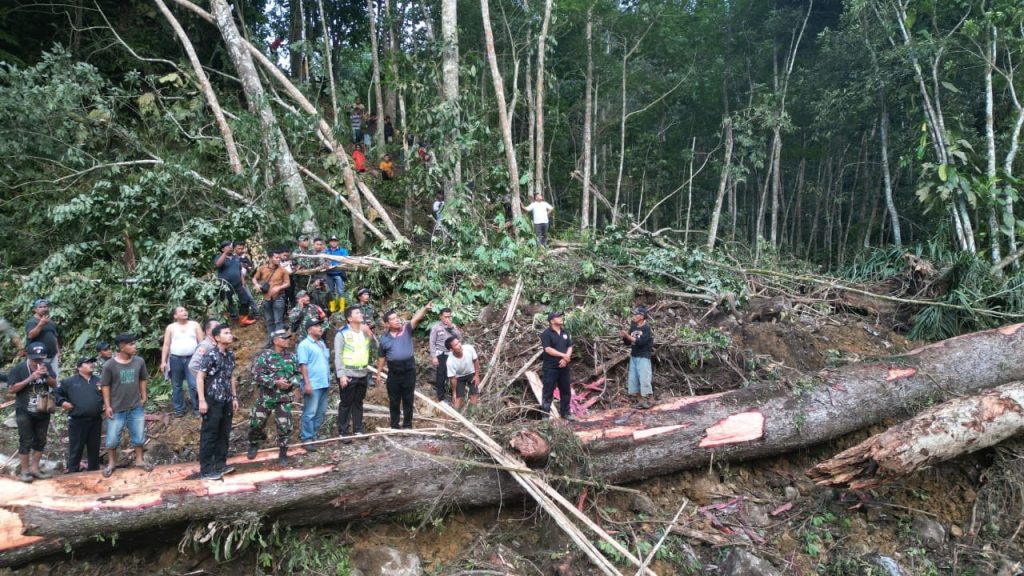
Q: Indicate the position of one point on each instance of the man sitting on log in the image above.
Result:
(641, 340)
(463, 365)
(124, 399)
(217, 386)
(557, 345)
(276, 372)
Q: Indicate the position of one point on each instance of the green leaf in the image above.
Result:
(949, 86)
(942, 172)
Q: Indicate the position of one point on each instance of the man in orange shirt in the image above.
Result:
(359, 159)
(387, 168)
(271, 279)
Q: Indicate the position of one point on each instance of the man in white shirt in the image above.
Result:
(464, 370)
(540, 210)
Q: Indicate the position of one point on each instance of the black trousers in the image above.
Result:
(244, 300)
(351, 406)
(214, 435)
(441, 378)
(84, 435)
(556, 377)
(32, 427)
(401, 391)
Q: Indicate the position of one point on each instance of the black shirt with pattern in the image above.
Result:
(219, 368)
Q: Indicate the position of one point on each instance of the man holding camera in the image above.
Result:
(31, 382)
(272, 280)
(230, 270)
(40, 328)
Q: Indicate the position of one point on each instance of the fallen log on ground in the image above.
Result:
(372, 477)
(954, 428)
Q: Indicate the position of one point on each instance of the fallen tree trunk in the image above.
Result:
(954, 428)
(405, 473)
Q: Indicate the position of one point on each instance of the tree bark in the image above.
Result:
(588, 123)
(542, 40)
(377, 92)
(450, 69)
(207, 88)
(954, 428)
(504, 123)
(990, 148)
(890, 204)
(372, 477)
(328, 60)
(273, 139)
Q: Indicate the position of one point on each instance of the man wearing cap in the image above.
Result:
(217, 385)
(80, 397)
(370, 314)
(557, 345)
(40, 328)
(103, 353)
(439, 334)
(396, 348)
(351, 359)
(641, 339)
(272, 280)
(305, 267)
(124, 398)
(464, 368)
(303, 312)
(314, 363)
(31, 382)
(335, 275)
(229, 269)
(277, 374)
(181, 339)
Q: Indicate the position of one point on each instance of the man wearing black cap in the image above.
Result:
(303, 312)
(31, 382)
(80, 397)
(557, 345)
(40, 328)
(314, 362)
(641, 339)
(229, 269)
(124, 399)
(335, 275)
(276, 372)
(217, 385)
(103, 353)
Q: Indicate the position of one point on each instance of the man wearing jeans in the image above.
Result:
(181, 338)
(217, 386)
(272, 280)
(124, 397)
(335, 276)
(314, 362)
(641, 339)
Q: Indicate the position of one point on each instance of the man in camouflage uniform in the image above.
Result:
(303, 312)
(276, 372)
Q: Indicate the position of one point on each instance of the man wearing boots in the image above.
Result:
(351, 360)
(396, 348)
(217, 385)
(81, 398)
(335, 275)
(229, 269)
(276, 372)
(439, 334)
(557, 345)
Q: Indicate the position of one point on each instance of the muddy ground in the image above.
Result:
(962, 517)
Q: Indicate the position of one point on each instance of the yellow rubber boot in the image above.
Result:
(332, 305)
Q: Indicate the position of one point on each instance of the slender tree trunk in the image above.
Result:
(689, 194)
(297, 37)
(990, 145)
(531, 131)
(207, 88)
(723, 182)
(328, 61)
(1011, 155)
(450, 68)
(890, 204)
(371, 9)
(285, 168)
(588, 106)
(503, 120)
(776, 172)
(796, 236)
(541, 52)
(390, 56)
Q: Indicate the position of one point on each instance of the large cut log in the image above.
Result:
(951, 429)
(413, 472)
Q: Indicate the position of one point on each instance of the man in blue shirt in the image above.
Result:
(335, 276)
(315, 366)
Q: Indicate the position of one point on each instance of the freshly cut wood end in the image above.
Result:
(742, 427)
(531, 447)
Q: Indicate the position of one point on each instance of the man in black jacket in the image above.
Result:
(30, 382)
(81, 398)
(641, 340)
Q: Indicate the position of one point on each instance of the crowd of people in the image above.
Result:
(302, 299)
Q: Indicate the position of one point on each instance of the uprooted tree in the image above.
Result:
(423, 469)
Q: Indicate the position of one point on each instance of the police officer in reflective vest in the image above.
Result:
(351, 358)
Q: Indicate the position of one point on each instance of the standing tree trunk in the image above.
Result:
(689, 195)
(204, 84)
(328, 60)
(542, 40)
(503, 119)
(377, 92)
(390, 56)
(890, 204)
(990, 147)
(588, 124)
(277, 149)
(296, 38)
(450, 68)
